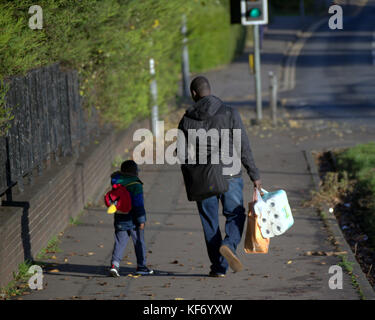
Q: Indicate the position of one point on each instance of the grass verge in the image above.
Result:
(348, 190)
(358, 163)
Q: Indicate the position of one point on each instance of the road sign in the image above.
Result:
(254, 12)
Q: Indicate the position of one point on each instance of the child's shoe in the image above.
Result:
(144, 271)
(216, 274)
(114, 271)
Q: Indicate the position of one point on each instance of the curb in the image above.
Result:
(334, 228)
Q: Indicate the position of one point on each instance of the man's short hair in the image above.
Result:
(200, 85)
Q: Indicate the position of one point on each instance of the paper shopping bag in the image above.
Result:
(254, 241)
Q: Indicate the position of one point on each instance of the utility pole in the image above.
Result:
(258, 84)
(302, 8)
(154, 100)
(273, 96)
(255, 12)
(185, 60)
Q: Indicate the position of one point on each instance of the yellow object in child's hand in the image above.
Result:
(112, 209)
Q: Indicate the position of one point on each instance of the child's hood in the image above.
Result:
(123, 179)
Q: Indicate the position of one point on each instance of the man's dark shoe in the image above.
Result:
(216, 274)
(233, 261)
(114, 271)
(144, 271)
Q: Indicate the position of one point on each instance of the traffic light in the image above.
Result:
(235, 11)
(254, 12)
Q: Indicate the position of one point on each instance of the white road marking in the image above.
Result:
(289, 78)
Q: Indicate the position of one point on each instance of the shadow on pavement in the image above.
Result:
(81, 270)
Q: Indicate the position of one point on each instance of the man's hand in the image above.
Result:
(141, 226)
(258, 185)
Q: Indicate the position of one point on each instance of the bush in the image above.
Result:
(110, 43)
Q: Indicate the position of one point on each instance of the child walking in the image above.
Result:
(132, 224)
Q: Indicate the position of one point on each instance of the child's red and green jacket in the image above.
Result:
(137, 214)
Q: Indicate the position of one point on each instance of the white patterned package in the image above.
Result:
(275, 215)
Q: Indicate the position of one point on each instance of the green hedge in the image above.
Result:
(359, 162)
(110, 43)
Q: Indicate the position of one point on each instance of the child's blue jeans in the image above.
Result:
(121, 240)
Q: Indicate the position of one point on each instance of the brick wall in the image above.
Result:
(43, 209)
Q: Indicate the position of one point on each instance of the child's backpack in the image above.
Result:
(118, 199)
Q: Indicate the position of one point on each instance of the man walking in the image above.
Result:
(207, 185)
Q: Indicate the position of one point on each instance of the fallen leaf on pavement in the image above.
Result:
(54, 270)
(179, 298)
(290, 262)
(294, 124)
(90, 253)
(337, 253)
(325, 253)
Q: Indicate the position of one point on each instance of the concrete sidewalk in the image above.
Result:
(176, 247)
(174, 236)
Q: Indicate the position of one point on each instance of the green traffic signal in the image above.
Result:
(255, 13)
